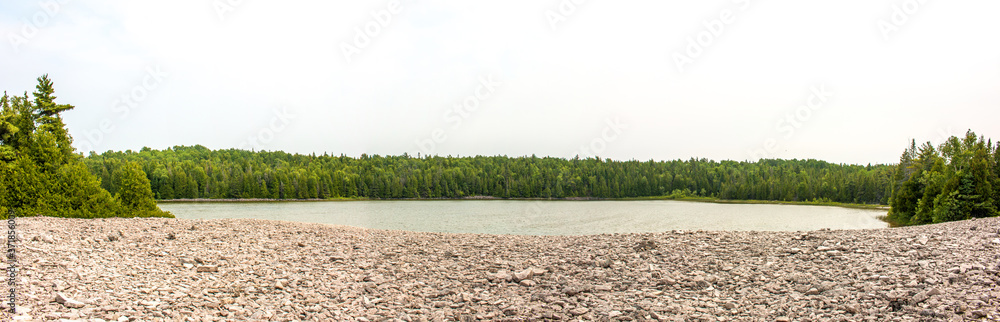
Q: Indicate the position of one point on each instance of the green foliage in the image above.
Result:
(41, 173)
(197, 172)
(133, 191)
(955, 181)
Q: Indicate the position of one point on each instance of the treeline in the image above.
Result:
(189, 172)
(959, 179)
(41, 174)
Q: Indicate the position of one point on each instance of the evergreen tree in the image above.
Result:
(42, 175)
(954, 182)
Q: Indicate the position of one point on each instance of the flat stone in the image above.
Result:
(502, 276)
(852, 308)
(522, 275)
(572, 290)
(579, 311)
(207, 268)
(920, 297)
(67, 301)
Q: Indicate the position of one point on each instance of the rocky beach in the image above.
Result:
(155, 269)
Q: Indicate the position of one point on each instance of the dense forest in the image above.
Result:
(188, 172)
(959, 179)
(41, 174)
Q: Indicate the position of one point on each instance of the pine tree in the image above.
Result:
(42, 175)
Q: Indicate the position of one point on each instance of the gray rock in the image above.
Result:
(59, 285)
(579, 311)
(919, 297)
(852, 308)
(573, 290)
(67, 301)
(502, 276)
(522, 275)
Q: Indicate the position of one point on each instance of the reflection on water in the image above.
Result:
(525, 217)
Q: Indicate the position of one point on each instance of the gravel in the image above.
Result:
(157, 269)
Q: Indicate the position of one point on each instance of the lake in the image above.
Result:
(528, 217)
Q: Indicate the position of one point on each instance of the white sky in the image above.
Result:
(229, 76)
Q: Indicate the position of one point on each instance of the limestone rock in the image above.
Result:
(207, 268)
(68, 301)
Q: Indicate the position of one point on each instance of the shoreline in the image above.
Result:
(159, 269)
(692, 199)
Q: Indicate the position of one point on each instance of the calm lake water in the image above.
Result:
(540, 217)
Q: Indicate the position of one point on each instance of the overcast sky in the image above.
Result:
(843, 81)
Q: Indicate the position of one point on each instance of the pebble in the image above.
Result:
(345, 273)
(67, 301)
